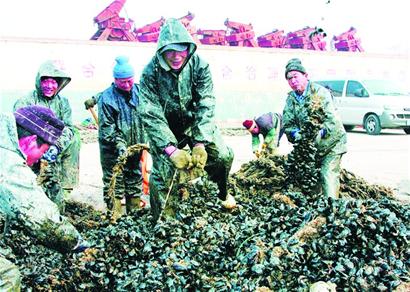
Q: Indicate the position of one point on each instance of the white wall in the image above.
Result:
(247, 81)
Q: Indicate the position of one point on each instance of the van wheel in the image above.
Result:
(407, 131)
(349, 127)
(372, 125)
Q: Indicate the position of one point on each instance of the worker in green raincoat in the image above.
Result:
(120, 126)
(65, 158)
(178, 102)
(269, 126)
(331, 139)
(24, 138)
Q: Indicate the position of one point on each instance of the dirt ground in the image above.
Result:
(382, 159)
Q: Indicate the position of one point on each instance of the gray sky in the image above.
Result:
(381, 25)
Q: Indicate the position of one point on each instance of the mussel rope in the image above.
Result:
(119, 167)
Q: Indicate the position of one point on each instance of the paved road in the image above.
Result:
(382, 159)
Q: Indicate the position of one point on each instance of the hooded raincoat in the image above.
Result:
(120, 126)
(67, 166)
(22, 199)
(270, 128)
(178, 110)
(332, 145)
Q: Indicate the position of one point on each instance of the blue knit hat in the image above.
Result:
(123, 69)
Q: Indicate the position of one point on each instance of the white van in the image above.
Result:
(373, 104)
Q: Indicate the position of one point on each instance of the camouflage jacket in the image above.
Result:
(295, 114)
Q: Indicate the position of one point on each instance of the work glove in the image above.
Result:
(192, 175)
(181, 159)
(264, 146)
(269, 150)
(51, 154)
(90, 103)
(122, 151)
(320, 135)
(296, 135)
(196, 173)
(199, 155)
(81, 245)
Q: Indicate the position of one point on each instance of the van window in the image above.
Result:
(386, 87)
(334, 86)
(355, 89)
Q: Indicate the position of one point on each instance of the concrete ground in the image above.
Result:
(382, 159)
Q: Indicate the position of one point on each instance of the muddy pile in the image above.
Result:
(267, 174)
(88, 133)
(278, 238)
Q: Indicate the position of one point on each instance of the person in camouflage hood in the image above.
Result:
(331, 139)
(64, 158)
(178, 110)
(119, 127)
(21, 198)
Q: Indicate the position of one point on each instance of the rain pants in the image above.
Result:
(119, 126)
(22, 199)
(66, 169)
(332, 146)
(178, 110)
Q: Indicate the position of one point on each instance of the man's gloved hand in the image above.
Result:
(81, 245)
(51, 154)
(197, 172)
(181, 159)
(296, 135)
(264, 146)
(122, 154)
(122, 151)
(199, 155)
(257, 153)
(320, 135)
(90, 103)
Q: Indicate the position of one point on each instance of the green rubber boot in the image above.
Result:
(116, 210)
(132, 203)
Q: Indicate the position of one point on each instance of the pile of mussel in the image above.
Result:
(276, 240)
